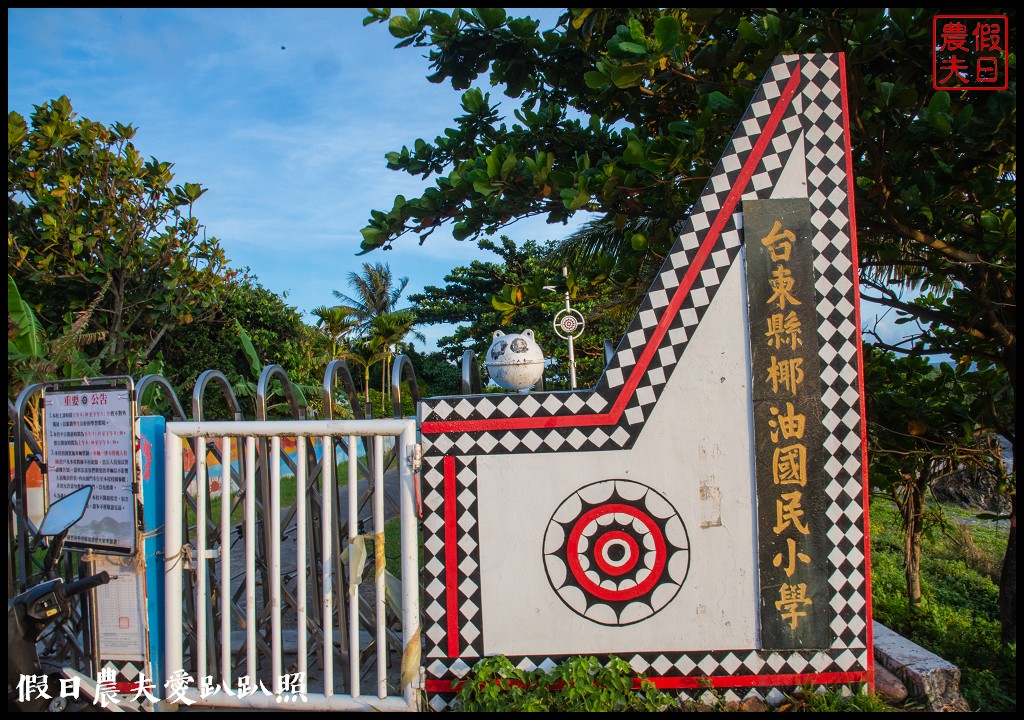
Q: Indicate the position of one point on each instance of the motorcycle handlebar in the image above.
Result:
(79, 586)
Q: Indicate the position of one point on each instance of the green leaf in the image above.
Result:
(510, 164)
(939, 103)
(371, 236)
(574, 199)
(250, 352)
(194, 191)
(485, 187)
(625, 77)
(941, 122)
(472, 100)
(717, 101)
(596, 80)
(402, 27)
(29, 335)
(501, 305)
(667, 30)
(749, 33)
(636, 30)
(633, 48)
(491, 17)
(885, 91)
(493, 164)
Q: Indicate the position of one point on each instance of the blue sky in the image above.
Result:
(284, 115)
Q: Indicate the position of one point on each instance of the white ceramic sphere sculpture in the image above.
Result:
(515, 361)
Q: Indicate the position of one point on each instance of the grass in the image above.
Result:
(959, 616)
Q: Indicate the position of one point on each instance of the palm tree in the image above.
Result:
(374, 293)
(389, 332)
(635, 249)
(381, 324)
(365, 352)
(336, 323)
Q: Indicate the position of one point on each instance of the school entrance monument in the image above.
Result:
(701, 511)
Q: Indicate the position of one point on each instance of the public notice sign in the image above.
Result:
(89, 441)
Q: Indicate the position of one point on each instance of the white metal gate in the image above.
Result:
(266, 672)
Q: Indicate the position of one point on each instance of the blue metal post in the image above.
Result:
(151, 452)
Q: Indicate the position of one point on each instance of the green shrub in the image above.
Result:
(834, 700)
(580, 684)
(958, 619)
(983, 689)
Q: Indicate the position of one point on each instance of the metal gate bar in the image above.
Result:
(177, 553)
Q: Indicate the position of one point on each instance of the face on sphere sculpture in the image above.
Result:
(515, 361)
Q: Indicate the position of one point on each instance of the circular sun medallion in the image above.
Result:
(616, 552)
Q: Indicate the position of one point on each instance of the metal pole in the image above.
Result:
(225, 561)
(410, 562)
(378, 564)
(250, 558)
(275, 562)
(300, 552)
(200, 557)
(353, 572)
(572, 353)
(172, 545)
(326, 553)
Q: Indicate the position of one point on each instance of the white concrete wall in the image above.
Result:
(696, 451)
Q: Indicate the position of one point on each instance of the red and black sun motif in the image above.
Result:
(616, 552)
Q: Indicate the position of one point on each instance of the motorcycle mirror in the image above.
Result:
(65, 512)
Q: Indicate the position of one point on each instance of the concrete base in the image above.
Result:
(925, 674)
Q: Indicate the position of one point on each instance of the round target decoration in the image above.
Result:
(568, 323)
(616, 552)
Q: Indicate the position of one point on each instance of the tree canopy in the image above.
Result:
(622, 113)
(99, 241)
(275, 329)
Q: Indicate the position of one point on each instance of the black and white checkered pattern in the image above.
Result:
(126, 670)
(611, 415)
(718, 664)
(826, 145)
(467, 565)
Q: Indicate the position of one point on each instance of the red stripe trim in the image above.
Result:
(697, 266)
(851, 211)
(723, 681)
(681, 293)
(451, 559)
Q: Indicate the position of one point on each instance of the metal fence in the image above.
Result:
(239, 631)
(244, 614)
